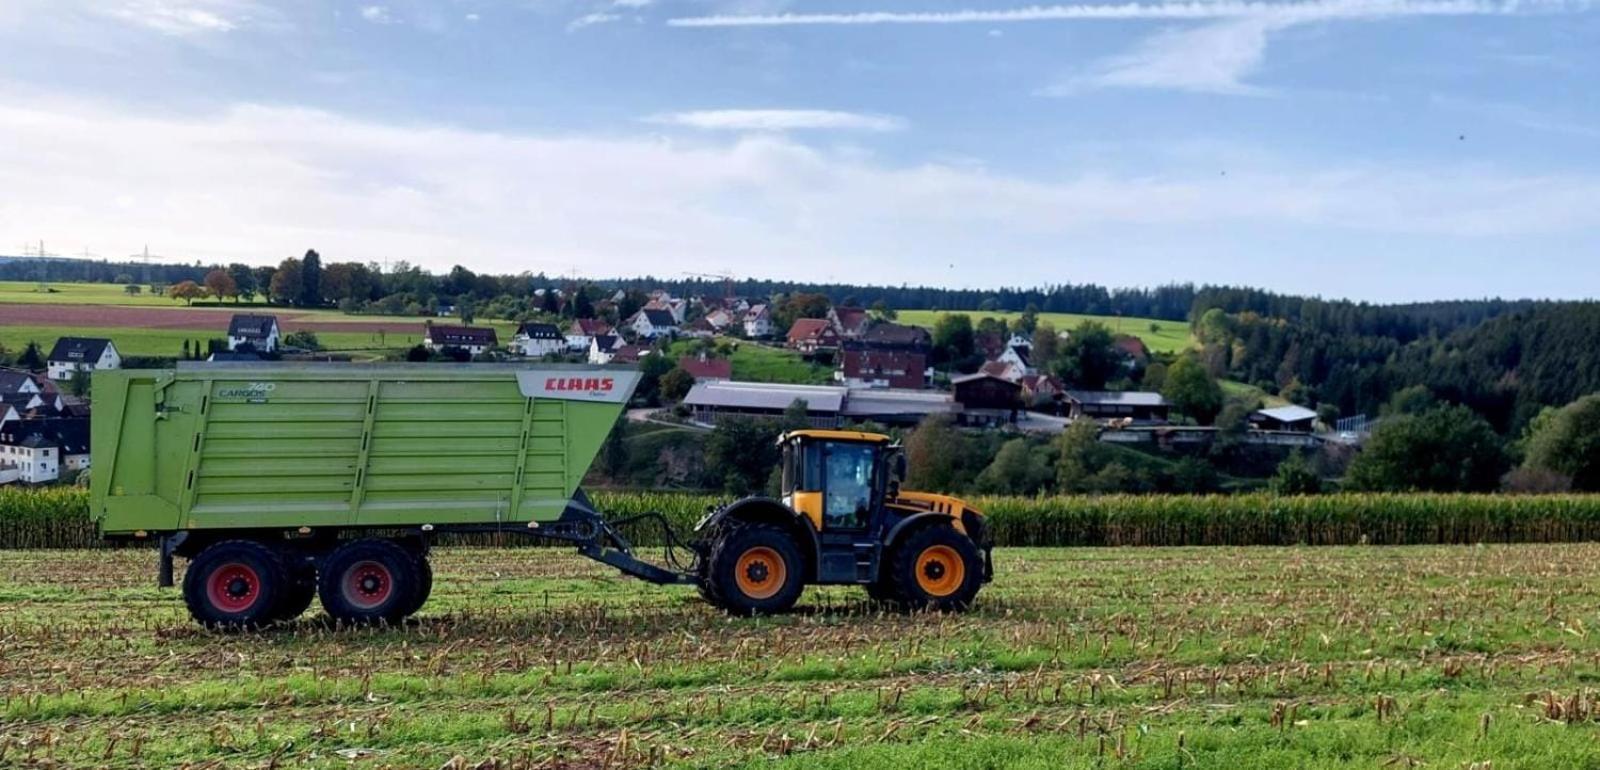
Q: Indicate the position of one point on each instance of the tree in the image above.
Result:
(244, 281)
(741, 453)
(1328, 414)
(933, 453)
(582, 305)
(286, 284)
(1192, 390)
(1155, 376)
(1078, 455)
(550, 303)
(1414, 399)
(1445, 449)
(953, 337)
(1090, 357)
(799, 305)
(651, 370)
(306, 340)
(1295, 476)
(1567, 441)
(675, 384)
(221, 284)
(133, 289)
(882, 311)
(1046, 345)
(310, 280)
(32, 359)
(188, 291)
(1018, 469)
(262, 284)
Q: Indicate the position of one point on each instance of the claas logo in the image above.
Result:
(591, 384)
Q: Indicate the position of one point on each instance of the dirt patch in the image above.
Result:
(208, 319)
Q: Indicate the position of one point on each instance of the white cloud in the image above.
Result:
(631, 3)
(109, 179)
(1211, 58)
(1192, 11)
(472, 17)
(778, 120)
(177, 18)
(377, 14)
(591, 19)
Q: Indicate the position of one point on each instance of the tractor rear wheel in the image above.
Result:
(369, 581)
(235, 584)
(755, 569)
(936, 568)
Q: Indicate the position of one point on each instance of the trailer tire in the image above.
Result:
(299, 591)
(369, 581)
(424, 587)
(756, 570)
(936, 568)
(235, 585)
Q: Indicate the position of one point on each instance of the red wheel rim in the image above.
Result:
(233, 587)
(367, 584)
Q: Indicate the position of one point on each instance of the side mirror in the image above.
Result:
(899, 468)
(894, 490)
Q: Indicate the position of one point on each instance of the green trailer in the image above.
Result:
(281, 483)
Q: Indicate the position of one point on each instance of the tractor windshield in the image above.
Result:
(849, 484)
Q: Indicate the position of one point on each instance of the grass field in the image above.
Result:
(757, 363)
(169, 342)
(1371, 657)
(1168, 336)
(25, 292)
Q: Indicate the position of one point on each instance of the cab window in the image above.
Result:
(848, 468)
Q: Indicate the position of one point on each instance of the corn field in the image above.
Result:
(58, 517)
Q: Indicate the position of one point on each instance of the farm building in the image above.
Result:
(1289, 418)
(81, 354)
(258, 332)
(986, 399)
(703, 368)
(473, 339)
(826, 405)
(1136, 406)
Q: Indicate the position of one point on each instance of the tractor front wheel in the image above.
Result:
(755, 569)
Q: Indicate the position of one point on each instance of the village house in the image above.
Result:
(706, 369)
(603, 347)
(849, 322)
(652, 322)
(882, 368)
(583, 331)
(987, 400)
(537, 340)
(629, 354)
(758, 322)
(810, 336)
(473, 339)
(700, 329)
(1010, 371)
(1041, 390)
(81, 354)
(255, 332)
(40, 450)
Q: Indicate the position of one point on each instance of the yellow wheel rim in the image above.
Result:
(760, 573)
(940, 570)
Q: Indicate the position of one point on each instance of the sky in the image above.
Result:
(1382, 150)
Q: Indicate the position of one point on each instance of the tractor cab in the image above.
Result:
(839, 479)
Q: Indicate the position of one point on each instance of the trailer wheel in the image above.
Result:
(369, 581)
(235, 584)
(424, 587)
(300, 589)
(756, 570)
(936, 568)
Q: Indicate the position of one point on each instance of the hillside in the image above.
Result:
(1159, 336)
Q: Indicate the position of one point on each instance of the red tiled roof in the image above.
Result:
(1133, 346)
(590, 327)
(808, 328)
(903, 369)
(708, 369)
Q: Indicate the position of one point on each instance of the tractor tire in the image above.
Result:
(369, 582)
(755, 570)
(884, 592)
(235, 585)
(936, 568)
(424, 584)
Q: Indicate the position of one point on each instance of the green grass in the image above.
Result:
(757, 363)
(169, 342)
(1316, 658)
(1234, 388)
(1168, 336)
(58, 293)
